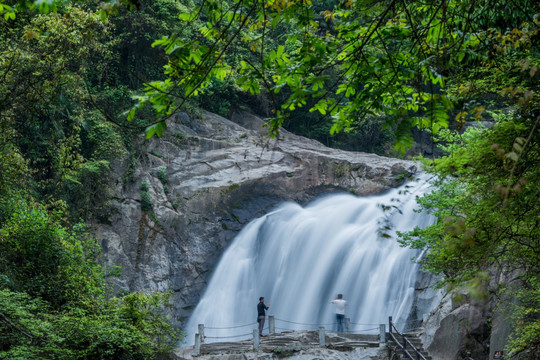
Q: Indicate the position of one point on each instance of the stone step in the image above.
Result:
(402, 355)
(414, 340)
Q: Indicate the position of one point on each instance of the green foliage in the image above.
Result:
(53, 298)
(57, 139)
(146, 198)
(44, 64)
(103, 142)
(13, 168)
(486, 201)
(346, 61)
(144, 312)
(129, 176)
(134, 33)
(486, 205)
(29, 233)
(526, 315)
(366, 135)
(89, 190)
(162, 175)
(163, 178)
(129, 330)
(146, 201)
(145, 186)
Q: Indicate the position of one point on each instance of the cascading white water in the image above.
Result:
(300, 258)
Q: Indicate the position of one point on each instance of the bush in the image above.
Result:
(146, 201)
(162, 175)
(53, 297)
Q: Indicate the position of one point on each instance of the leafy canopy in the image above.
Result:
(346, 62)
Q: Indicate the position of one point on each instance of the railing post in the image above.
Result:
(201, 332)
(404, 341)
(271, 324)
(255, 339)
(321, 337)
(347, 324)
(382, 333)
(389, 324)
(197, 347)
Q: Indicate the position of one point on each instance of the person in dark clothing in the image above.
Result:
(261, 314)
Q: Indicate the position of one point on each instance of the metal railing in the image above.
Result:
(200, 336)
(391, 330)
(409, 350)
(287, 325)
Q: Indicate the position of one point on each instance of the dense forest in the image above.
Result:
(82, 81)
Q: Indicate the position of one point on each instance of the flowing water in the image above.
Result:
(299, 258)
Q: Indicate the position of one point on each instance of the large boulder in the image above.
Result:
(456, 327)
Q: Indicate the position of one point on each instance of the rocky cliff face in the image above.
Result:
(482, 327)
(194, 189)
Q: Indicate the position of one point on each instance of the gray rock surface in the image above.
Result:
(455, 327)
(426, 298)
(206, 179)
(309, 354)
(501, 321)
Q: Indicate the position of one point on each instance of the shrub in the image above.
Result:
(146, 201)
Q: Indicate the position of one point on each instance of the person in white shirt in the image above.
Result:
(340, 311)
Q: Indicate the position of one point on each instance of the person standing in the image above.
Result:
(340, 311)
(261, 314)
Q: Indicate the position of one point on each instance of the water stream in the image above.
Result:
(299, 258)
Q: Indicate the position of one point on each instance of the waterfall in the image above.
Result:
(298, 258)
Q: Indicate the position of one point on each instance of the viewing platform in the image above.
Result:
(306, 344)
(285, 344)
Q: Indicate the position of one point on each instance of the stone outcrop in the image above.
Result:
(465, 328)
(456, 327)
(426, 298)
(180, 200)
(483, 327)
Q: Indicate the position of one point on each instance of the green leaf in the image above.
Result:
(131, 114)
(186, 16)
(160, 127)
(150, 131)
(280, 50)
